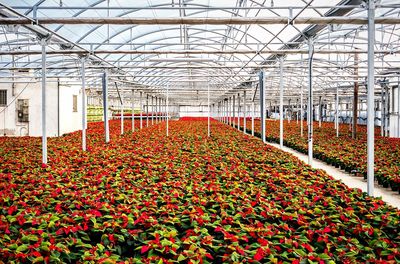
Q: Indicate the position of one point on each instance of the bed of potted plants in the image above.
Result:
(343, 151)
(186, 198)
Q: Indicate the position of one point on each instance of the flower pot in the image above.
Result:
(394, 186)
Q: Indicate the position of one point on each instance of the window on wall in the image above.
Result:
(74, 103)
(3, 97)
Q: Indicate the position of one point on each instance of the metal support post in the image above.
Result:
(44, 127)
(147, 110)
(281, 102)
(105, 106)
(83, 104)
(301, 112)
(310, 102)
(262, 104)
(238, 117)
(209, 110)
(167, 127)
(252, 118)
(370, 98)
(398, 106)
(133, 110)
(233, 110)
(152, 110)
(337, 111)
(244, 112)
(320, 111)
(122, 114)
(141, 109)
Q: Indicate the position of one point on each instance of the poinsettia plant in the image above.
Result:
(343, 151)
(186, 198)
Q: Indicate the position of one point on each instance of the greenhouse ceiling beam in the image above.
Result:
(197, 21)
(185, 67)
(203, 76)
(191, 52)
(43, 31)
(125, 8)
(190, 43)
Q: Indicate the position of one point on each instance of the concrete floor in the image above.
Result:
(392, 198)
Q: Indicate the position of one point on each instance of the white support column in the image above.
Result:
(209, 110)
(159, 110)
(281, 102)
(337, 111)
(301, 111)
(155, 110)
(122, 113)
(244, 112)
(105, 107)
(133, 110)
(44, 127)
(252, 118)
(83, 104)
(398, 107)
(370, 98)
(224, 111)
(152, 110)
(310, 102)
(147, 110)
(167, 128)
(233, 110)
(141, 109)
(262, 104)
(238, 112)
(320, 111)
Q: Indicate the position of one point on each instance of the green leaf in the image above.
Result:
(22, 248)
(324, 256)
(38, 260)
(12, 246)
(100, 247)
(29, 238)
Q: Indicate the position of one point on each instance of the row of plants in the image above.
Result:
(186, 198)
(343, 152)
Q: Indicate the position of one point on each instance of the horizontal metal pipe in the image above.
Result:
(177, 7)
(199, 76)
(197, 43)
(144, 52)
(198, 21)
(183, 67)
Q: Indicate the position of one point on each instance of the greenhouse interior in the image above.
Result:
(200, 131)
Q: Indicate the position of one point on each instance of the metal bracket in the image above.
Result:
(44, 39)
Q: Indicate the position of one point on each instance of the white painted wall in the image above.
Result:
(60, 116)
